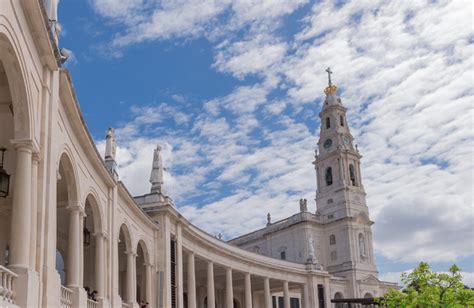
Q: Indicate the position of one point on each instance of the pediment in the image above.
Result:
(370, 279)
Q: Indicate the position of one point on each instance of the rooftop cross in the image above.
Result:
(328, 70)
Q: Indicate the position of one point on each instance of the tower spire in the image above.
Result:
(156, 177)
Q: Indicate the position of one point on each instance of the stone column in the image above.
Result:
(73, 247)
(248, 291)
(99, 264)
(266, 293)
(21, 208)
(179, 266)
(305, 297)
(211, 299)
(191, 281)
(130, 277)
(148, 283)
(34, 210)
(286, 294)
(229, 291)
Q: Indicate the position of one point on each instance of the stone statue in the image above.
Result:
(156, 177)
(110, 145)
(303, 205)
(269, 219)
(51, 7)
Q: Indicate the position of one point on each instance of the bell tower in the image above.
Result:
(340, 194)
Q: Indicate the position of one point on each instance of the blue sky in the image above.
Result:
(232, 91)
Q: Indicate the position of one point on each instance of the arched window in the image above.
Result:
(328, 122)
(352, 175)
(329, 176)
(362, 249)
(332, 239)
(341, 120)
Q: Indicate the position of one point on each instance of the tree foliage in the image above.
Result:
(425, 288)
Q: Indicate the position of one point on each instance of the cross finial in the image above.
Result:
(328, 70)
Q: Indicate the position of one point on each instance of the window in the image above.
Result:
(283, 255)
(329, 176)
(352, 175)
(330, 216)
(341, 120)
(332, 239)
(333, 255)
(328, 122)
(330, 201)
(362, 249)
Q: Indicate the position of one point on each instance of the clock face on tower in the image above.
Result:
(347, 141)
(327, 143)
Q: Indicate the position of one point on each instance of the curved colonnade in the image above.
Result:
(69, 224)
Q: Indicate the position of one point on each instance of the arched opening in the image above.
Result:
(93, 249)
(352, 175)
(141, 265)
(124, 249)
(339, 295)
(14, 124)
(67, 223)
(328, 122)
(368, 295)
(328, 176)
(341, 120)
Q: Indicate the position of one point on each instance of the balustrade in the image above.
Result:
(7, 295)
(66, 297)
(92, 304)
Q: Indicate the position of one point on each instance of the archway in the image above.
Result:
(67, 224)
(124, 250)
(368, 295)
(14, 124)
(339, 295)
(141, 268)
(93, 248)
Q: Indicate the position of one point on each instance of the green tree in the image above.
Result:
(425, 288)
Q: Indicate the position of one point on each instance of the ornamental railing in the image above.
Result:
(92, 303)
(66, 295)
(7, 295)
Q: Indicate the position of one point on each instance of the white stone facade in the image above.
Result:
(69, 223)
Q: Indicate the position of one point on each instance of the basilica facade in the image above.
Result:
(69, 226)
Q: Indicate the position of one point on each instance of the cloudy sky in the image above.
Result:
(232, 91)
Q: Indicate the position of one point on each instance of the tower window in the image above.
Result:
(283, 255)
(352, 175)
(333, 255)
(328, 122)
(329, 176)
(332, 239)
(341, 120)
(362, 248)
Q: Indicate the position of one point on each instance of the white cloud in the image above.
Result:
(405, 73)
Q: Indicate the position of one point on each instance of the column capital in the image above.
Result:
(36, 159)
(75, 208)
(148, 264)
(25, 145)
(133, 254)
(100, 234)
